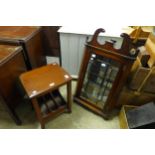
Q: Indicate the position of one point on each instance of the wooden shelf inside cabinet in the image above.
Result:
(104, 71)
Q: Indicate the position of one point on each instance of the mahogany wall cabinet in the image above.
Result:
(103, 73)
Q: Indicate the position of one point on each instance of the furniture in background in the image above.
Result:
(140, 34)
(140, 88)
(51, 42)
(141, 80)
(32, 53)
(29, 37)
(41, 86)
(104, 71)
(11, 66)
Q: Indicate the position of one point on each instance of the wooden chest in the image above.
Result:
(29, 37)
(11, 66)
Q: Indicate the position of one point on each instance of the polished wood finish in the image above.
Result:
(29, 37)
(42, 82)
(17, 32)
(11, 66)
(44, 79)
(126, 55)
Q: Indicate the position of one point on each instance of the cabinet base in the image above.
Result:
(107, 115)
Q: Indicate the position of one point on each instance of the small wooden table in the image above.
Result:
(41, 86)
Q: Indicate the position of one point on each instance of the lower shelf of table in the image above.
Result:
(51, 103)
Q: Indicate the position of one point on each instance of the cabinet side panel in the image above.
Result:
(9, 72)
(35, 51)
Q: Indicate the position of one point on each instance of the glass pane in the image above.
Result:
(100, 75)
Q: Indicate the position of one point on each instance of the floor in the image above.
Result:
(80, 118)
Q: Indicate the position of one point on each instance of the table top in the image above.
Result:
(44, 79)
(17, 32)
(8, 51)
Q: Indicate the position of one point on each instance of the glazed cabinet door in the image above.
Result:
(101, 73)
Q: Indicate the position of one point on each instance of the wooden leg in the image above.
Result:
(38, 112)
(11, 112)
(42, 125)
(69, 97)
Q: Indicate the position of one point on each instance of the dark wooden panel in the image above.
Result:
(35, 51)
(51, 42)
